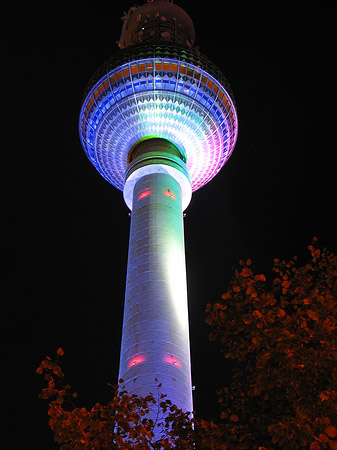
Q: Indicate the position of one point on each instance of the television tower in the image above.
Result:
(158, 122)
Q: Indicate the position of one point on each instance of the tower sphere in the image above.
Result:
(158, 86)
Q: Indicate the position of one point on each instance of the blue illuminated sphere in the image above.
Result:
(158, 90)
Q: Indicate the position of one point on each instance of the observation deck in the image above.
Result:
(158, 90)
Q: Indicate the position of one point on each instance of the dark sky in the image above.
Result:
(66, 245)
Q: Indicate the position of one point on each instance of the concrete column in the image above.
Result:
(155, 339)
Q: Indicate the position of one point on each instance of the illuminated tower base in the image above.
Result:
(155, 340)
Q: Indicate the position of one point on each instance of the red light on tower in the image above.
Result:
(136, 360)
(170, 194)
(172, 360)
(144, 194)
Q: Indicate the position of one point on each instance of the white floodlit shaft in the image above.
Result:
(155, 339)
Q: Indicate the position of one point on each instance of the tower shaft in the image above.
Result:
(155, 338)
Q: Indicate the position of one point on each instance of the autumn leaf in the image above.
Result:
(57, 371)
(245, 272)
(251, 291)
(323, 438)
(281, 312)
(47, 364)
(315, 446)
(257, 314)
(247, 319)
(329, 325)
(234, 418)
(260, 277)
(331, 431)
(313, 314)
(59, 400)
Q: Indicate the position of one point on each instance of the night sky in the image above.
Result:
(67, 237)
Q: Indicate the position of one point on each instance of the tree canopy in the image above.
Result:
(282, 334)
(123, 422)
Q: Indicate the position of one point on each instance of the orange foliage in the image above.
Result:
(123, 422)
(283, 333)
